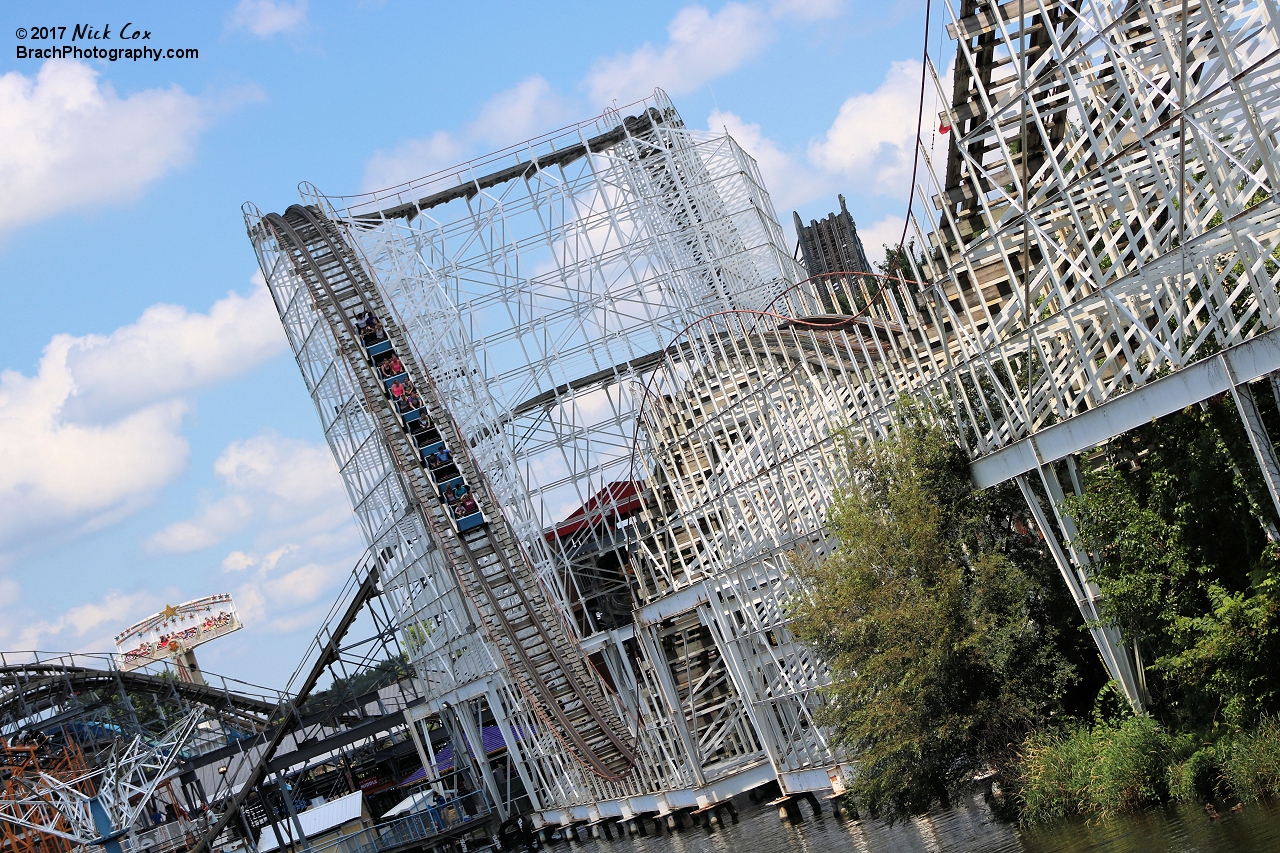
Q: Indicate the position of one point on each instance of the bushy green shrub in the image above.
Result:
(1251, 764)
(1177, 526)
(1117, 766)
(1057, 774)
(1112, 767)
(944, 621)
(1198, 776)
(1133, 762)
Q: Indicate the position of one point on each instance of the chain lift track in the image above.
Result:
(489, 563)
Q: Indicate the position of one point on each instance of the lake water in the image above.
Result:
(969, 828)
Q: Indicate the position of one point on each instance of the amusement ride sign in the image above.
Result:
(174, 631)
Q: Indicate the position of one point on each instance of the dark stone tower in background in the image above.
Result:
(831, 244)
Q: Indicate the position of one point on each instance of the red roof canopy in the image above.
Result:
(613, 501)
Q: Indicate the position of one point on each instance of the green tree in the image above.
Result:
(947, 628)
(898, 261)
(1176, 517)
(360, 683)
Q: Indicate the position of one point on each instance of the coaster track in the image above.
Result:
(491, 567)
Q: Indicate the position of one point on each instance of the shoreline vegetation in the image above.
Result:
(957, 652)
(1135, 763)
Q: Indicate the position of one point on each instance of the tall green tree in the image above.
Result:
(1176, 516)
(949, 633)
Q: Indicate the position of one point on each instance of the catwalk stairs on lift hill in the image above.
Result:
(493, 569)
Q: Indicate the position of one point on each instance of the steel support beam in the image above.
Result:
(513, 747)
(1241, 364)
(647, 639)
(1263, 450)
(1071, 563)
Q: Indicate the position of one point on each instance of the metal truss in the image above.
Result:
(430, 610)
(1105, 217)
(537, 290)
(742, 424)
(610, 318)
(1104, 220)
(321, 724)
(88, 693)
(87, 744)
(491, 569)
(1135, 236)
(102, 804)
(250, 743)
(535, 299)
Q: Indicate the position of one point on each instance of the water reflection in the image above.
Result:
(969, 828)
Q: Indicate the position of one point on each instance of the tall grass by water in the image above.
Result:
(1135, 763)
(1106, 768)
(1251, 764)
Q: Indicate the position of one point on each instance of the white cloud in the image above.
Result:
(872, 140)
(10, 592)
(877, 235)
(284, 581)
(304, 584)
(75, 477)
(238, 561)
(867, 151)
(265, 18)
(700, 47)
(271, 560)
(170, 350)
(526, 109)
(97, 431)
(86, 627)
(806, 10)
(791, 182)
(70, 142)
(413, 158)
(215, 522)
(251, 603)
(265, 478)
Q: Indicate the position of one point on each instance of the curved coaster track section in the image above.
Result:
(434, 459)
(39, 693)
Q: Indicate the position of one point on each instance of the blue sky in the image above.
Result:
(156, 443)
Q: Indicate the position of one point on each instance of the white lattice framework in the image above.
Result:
(742, 429)
(1106, 217)
(584, 269)
(1051, 292)
(438, 627)
(103, 803)
(536, 286)
(1145, 207)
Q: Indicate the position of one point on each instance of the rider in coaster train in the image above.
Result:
(370, 329)
(392, 366)
(441, 458)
